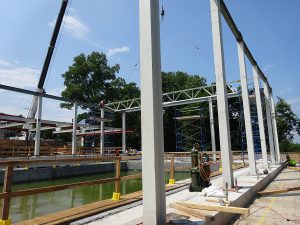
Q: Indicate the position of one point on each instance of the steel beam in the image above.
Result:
(102, 132)
(36, 93)
(262, 134)
(74, 137)
(212, 128)
(154, 202)
(129, 106)
(224, 127)
(43, 128)
(3, 126)
(124, 132)
(275, 132)
(246, 107)
(38, 127)
(269, 124)
(237, 34)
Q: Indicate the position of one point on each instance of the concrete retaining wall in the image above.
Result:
(48, 173)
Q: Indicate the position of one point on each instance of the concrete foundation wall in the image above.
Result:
(245, 199)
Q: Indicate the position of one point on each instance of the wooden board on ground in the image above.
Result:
(228, 209)
(294, 168)
(278, 191)
(216, 200)
(192, 212)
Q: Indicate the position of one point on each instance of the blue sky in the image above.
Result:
(270, 28)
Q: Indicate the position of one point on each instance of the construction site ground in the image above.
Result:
(281, 209)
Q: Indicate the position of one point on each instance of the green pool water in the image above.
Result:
(27, 207)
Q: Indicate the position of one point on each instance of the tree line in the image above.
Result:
(91, 79)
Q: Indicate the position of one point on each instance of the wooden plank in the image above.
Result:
(118, 176)
(75, 159)
(6, 188)
(130, 177)
(278, 191)
(216, 200)
(55, 188)
(172, 168)
(228, 209)
(192, 212)
(294, 168)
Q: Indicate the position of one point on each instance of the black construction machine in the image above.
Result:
(200, 171)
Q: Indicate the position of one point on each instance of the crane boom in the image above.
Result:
(40, 86)
(52, 43)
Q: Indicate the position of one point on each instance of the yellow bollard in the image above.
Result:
(171, 181)
(172, 171)
(5, 222)
(116, 196)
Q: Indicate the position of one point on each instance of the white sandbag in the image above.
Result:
(213, 191)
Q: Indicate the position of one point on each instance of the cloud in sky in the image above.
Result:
(268, 67)
(114, 51)
(4, 63)
(74, 27)
(294, 101)
(18, 76)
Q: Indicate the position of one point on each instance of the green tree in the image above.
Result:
(287, 121)
(89, 78)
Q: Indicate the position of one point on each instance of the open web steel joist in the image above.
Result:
(175, 98)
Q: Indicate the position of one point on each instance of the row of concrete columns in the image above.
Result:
(154, 204)
(223, 109)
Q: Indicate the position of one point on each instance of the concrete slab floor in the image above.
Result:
(134, 215)
(283, 209)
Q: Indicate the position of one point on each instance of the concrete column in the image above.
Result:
(38, 127)
(224, 129)
(102, 132)
(246, 107)
(275, 133)
(124, 132)
(154, 201)
(212, 128)
(269, 123)
(262, 134)
(74, 134)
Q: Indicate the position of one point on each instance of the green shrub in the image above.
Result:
(289, 147)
